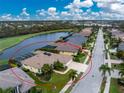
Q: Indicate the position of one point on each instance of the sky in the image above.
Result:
(61, 10)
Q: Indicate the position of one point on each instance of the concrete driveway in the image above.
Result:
(79, 67)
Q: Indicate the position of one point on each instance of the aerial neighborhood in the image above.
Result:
(56, 61)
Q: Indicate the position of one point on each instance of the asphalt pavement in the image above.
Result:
(92, 82)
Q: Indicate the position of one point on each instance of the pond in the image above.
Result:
(44, 37)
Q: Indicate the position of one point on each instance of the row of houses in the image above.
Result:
(15, 77)
(66, 49)
(117, 34)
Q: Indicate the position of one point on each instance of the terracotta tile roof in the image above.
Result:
(40, 59)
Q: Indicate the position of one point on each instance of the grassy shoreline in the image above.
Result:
(11, 41)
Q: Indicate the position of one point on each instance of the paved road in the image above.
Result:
(92, 84)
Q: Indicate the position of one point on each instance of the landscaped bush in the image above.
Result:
(47, 71)
(58, 66)
(120, 54)
(26, 70)
(49, 50)
(78, 57)
(121, 81)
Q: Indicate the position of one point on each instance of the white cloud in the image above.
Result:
(52, 11)
(6, 17)
(53, 14)
(24, 15)
(80, 4)
(24, 12)
(41, 12)
(65, 13)
(117, 7)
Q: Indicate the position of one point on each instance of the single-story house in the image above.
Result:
(67, 49)
(86, 32)
(117, 34)
(77, 39)
(9, 80)
(35, 63)
(71, 45)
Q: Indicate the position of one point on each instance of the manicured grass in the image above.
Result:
(113, 56)
(80, 57)
(114, 87)
(3, 62)
(116, 66)
(8, 42)
(102, 86)
(57, 81)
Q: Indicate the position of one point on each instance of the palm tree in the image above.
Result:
(121, 68)
(73, 74)
(46, 69)
(58, 65)
(121, 72)
(104, 68)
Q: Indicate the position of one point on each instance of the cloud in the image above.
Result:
(117, 7)
(65, 13)
(41, 12)
(79, 4)
(24, 12)
(6, 17)
(52, 14)
(24, 15)
(52, 11)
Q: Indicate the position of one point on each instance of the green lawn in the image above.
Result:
(57, 80)
(113, 56)
(102, 86)
(114, 87)
(8, 42)
(3, 62)
(80, 57)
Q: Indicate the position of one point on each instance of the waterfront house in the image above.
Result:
(86, 32)
(35, 63)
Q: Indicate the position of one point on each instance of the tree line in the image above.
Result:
(23, 28)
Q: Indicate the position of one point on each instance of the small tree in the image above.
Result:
(58, 65)
(120, 54)
(73, 74)
(121, 69)
(47, 71)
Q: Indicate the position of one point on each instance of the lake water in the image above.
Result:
(37, 43)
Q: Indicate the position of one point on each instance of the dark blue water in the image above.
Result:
(37, 43)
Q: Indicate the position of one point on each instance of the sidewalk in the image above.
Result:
(108, 81)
